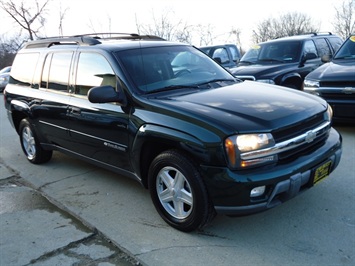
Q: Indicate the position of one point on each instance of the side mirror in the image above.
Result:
(309, 56)
(105, 94)
(326, 58)
(218, 60)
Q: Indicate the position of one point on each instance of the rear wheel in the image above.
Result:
(178, 192)
(30, 144)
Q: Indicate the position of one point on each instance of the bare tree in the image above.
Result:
(289, 24)
(234, 34)
(205, 33)
(61, 18)
(29, 15)
(162, 27)
(344, 21)
(8, 49)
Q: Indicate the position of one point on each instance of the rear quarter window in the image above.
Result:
(23, 69)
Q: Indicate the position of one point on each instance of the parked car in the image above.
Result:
(335, 82)
(286, 61)
(170, 117)
(4, 77)
(227, 55)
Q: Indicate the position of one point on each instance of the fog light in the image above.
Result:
(257, 191)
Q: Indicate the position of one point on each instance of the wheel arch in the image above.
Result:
(153, 140)
(19, 111)
(292, 80)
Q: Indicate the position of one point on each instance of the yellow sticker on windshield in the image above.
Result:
(352, 38)
(256, 47)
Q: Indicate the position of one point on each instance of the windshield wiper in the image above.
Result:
(345, 57)
(174, 87)
(216, 80)
(247, 62)
(270, 60)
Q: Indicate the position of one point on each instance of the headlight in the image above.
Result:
(269, 81)
(238, 145)
(310, 85)
(329, 113)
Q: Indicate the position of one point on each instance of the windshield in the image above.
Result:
(171, 67)
(347, 50)
(287, 51)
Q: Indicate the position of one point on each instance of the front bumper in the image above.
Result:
(230, 190)
(343, 111)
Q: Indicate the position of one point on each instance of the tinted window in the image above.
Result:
(309, 47)
(58, 74)
(235, 53)
(45, 72)
(281, 51)
(23, 69)
(347, 51)
(159, 68)
(322, 47)
(93, 71)
(221, 54)
(335, 43)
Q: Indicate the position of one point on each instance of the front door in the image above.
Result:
(98, 131)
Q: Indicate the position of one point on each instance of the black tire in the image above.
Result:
(30, 144)
(178, 192)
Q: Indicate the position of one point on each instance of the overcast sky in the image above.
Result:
(222, 15)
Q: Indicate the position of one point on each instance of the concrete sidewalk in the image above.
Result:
(36, 232)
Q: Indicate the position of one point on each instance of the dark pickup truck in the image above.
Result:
(227, 55)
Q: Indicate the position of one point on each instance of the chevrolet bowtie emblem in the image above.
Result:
(348, 90)
(310, 136)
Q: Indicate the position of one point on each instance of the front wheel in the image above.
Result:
(30, 144)
(178, 192)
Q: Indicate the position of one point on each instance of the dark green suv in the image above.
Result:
(335, 82)
(170, 117)
(286, 61)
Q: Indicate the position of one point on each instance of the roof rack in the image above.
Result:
(88, 39)
(321, 33)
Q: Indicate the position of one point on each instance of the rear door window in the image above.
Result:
(56, 71)
(322, 47)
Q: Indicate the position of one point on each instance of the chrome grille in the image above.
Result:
(302, 138)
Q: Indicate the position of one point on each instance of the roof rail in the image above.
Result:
(120, 35)
(87, 39)
(321, 33)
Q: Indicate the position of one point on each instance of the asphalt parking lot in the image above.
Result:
(115, 213)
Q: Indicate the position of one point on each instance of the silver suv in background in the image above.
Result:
(4, 77)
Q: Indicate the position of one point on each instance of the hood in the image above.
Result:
(337, 70)
(247, 106)
(262, 71)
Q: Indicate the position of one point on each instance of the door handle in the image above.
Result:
(75, 111)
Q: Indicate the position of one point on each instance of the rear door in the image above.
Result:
(98, 131)
(52, 105)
